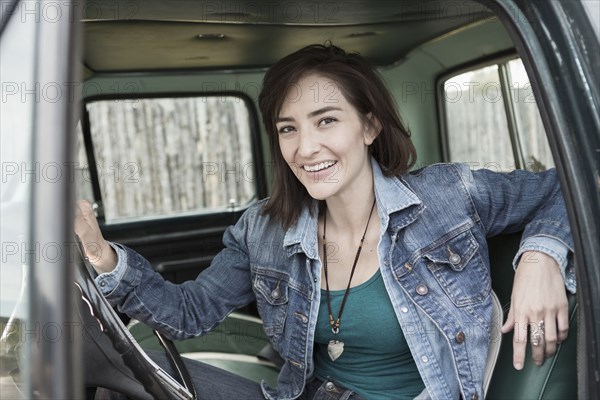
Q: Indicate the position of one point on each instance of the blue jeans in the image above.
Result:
(317, 389)
(212, 383)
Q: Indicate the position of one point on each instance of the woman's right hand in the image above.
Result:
(101, 255)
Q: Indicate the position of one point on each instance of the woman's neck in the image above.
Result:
(349, 214)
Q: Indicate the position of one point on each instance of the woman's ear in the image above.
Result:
(372, 129)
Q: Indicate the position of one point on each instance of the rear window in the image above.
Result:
(492, 120)
(159, 157)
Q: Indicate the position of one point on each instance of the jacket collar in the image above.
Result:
(302, 236)
(397, 203)
(397, 206)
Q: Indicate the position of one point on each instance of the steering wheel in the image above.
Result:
(110, 348)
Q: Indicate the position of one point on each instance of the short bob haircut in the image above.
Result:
(362, 87)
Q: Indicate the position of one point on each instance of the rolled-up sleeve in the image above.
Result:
(190, 308)
(555, 249)
(108, 282)
(528, 202)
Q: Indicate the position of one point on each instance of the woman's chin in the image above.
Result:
(318, 192)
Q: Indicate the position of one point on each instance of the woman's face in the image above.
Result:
(324, 140)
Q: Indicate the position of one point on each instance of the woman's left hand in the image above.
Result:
(539, 306)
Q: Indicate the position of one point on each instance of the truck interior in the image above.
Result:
(170, 148)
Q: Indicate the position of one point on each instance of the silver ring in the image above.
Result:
(537, 331)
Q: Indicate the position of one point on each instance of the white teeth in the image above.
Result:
(318, 167)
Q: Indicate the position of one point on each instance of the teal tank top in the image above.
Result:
(376, 362)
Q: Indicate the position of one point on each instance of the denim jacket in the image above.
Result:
(433, 258)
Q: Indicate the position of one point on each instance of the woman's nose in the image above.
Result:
(308, 143)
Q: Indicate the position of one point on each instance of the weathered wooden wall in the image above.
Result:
(477, 124)
(172, 155)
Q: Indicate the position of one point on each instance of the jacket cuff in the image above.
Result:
(109, 281)
(556, 249)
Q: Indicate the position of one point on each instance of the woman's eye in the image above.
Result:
(326, 121)
(286, 129)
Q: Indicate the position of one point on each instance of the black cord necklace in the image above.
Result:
(335, 348)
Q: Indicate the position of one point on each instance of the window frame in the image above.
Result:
(51, 300)
(570, 118)
(260, 184)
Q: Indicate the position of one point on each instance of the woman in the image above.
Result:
(372, 282)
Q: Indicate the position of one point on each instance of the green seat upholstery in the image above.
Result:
(557, 377)
(237, 334)
(236, 345)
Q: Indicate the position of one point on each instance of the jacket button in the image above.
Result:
(302, 317)
(276, 294)
(103, 284)
(404, 309)
(408, 266)
(422, 290)
(329, 386)
(454, 259)
(460, 337)
(424, 359)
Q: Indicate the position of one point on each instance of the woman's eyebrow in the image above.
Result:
(311, 114)
(323, 110)
(284, 119)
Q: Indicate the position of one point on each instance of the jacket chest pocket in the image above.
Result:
(271, 289)
(459, 269)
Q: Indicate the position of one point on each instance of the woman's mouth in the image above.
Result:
(319, 167)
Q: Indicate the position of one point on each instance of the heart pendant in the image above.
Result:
(335, 348)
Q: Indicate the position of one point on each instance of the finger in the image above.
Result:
(83, 209)
(519, 343)
(87, 210)
(80, 205)
(550, 335)
(510, 322)
(80, 226)
(77, 208)
(86, 227)
(562, 319)
(537, 339)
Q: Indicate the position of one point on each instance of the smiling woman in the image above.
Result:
(424, 253)
(315, 78)
(325, 146)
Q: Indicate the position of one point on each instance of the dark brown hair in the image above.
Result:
(362, 87)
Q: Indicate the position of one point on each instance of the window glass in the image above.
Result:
(534, 143)
(81, 176)
(476, 124)
(477, 119)
(19, 174)
(167, 156)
